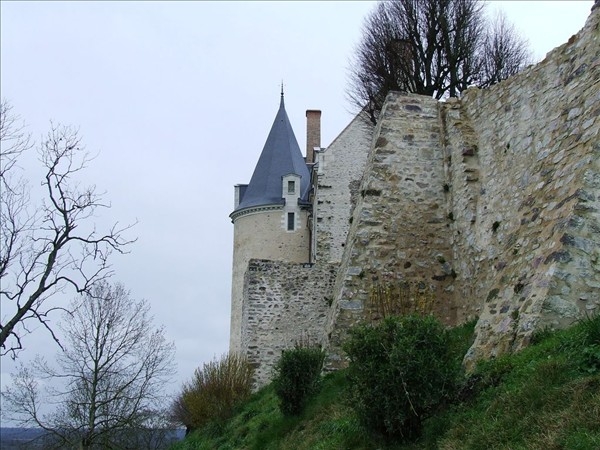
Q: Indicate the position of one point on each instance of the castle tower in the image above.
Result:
(270, 216)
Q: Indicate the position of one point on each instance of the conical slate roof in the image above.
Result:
(280, 156)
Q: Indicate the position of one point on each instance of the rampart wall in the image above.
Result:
(285, 303)
(400, 230)
(534, 249)
(491, 202)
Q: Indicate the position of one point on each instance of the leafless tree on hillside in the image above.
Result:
(50, 246)
(108, 383)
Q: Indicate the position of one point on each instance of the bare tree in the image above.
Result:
(505, 52)
(14, 140)
(428, 47)
(107, 385)
(52, 246)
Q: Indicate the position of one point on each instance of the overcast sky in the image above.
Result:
(177, 99)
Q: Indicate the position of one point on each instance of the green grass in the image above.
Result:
(545, 397)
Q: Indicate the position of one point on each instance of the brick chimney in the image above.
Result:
(313, 133)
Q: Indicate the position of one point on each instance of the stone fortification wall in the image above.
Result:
(339, 170)
(527, 224)
(262, 235)
(463, 188)
(284, 303)
(400, 231)
(493, 205)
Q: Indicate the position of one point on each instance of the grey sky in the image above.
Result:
(177, 100)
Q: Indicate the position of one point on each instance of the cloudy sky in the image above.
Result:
(177, 99)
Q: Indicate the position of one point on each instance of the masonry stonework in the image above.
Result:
(500, 187)
(285, 304)
(399, 232)
(536, 244)
(339, 169)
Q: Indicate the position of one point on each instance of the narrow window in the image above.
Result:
(291, 187)
(291, 218)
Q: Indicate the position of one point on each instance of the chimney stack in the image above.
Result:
(313, 133)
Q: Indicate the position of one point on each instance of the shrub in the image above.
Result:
(400, 371)
(297, 377)
(214, 392)
(399, 298)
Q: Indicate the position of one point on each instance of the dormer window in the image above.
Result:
(291, 186)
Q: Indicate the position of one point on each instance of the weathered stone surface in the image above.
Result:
(504, 184)
(284, 303)
(543, 130)
(404, 218)
(339, 167)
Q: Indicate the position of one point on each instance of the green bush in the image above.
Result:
(400, 372)
(297, 377)
(214, 392)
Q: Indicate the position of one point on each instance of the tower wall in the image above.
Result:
(263, 235)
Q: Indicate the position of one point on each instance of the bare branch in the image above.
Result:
(505, 52)
(109, 379)
(48, 248)
(13, 138)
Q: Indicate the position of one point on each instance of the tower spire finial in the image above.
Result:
(281, 105)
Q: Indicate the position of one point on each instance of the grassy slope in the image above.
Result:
(546, 397)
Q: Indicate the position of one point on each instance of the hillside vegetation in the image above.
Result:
(545, 397)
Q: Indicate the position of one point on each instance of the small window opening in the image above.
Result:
(291, 219)
(291, 187)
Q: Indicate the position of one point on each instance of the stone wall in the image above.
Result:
(400, 230)
(490, 202)
(284, 303)
(533, 243)
(339, 170)
(463, 187)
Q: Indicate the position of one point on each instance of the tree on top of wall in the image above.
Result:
(431, 47)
